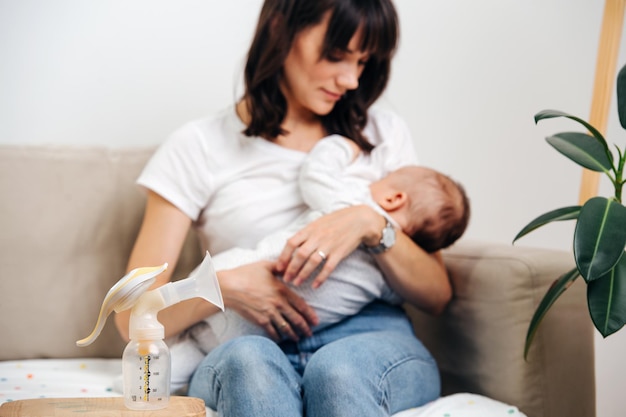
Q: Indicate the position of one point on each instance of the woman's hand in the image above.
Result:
(257, 295)
(327, 241)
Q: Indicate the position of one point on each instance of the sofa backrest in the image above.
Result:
(68, 219)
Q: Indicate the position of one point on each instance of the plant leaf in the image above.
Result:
(554, 292)
(583, 149)
(549, 114)
(605, 298)
(621, 96)
(599, 237)
(565, 213)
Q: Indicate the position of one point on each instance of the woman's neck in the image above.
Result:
(303, 132)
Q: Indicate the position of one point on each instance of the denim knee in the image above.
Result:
(374, 374)
(245, 375)
(243, 359)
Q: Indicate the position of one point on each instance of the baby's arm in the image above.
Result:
(356, 151)
(324, 181)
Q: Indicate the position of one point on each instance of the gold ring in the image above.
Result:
(322, 255)
(282, 325)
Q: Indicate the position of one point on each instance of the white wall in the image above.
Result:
(468, 78)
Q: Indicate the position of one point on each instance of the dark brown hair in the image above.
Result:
(452, 208)
(280, 21)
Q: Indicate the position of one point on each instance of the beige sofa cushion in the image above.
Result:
(68, 217)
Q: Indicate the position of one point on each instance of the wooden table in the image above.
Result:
(98, 407)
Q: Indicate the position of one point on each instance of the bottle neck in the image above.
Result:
(147, 334)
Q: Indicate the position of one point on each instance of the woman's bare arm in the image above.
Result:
(418, 277)
(160, 240)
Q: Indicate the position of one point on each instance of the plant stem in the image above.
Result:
(619, 182)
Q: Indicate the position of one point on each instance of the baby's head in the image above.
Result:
(436, 210)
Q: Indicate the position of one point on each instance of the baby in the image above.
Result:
(426, 205)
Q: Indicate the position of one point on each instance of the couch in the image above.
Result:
(69, 216)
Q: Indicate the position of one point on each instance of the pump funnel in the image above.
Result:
(202, 283)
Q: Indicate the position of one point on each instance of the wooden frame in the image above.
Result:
(606, 65)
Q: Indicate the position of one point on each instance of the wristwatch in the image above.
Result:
(386, 241)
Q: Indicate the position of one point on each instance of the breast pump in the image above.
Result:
(146, 359)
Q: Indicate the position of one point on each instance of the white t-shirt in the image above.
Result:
(239, 189)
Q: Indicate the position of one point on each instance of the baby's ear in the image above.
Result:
(394, 200)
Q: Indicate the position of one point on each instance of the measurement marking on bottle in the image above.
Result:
(146, 378)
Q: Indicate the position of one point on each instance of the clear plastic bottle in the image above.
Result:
(146, 369)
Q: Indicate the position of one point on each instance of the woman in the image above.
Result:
(314, 69)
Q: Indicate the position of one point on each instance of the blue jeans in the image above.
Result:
(369, 365)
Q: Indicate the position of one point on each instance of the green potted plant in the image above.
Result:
(600, 232)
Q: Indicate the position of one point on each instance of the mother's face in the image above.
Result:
(312, 85)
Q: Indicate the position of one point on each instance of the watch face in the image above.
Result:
(389, 236)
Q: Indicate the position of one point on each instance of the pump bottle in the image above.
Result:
(146, 372)
(146, 364)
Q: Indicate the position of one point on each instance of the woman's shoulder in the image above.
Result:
(380, 113)
(384, 125)
(213, 130)
(393, 143)
(200, 143)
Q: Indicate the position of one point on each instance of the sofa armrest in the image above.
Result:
(479, 340)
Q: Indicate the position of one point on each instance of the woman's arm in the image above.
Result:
(160, 240)
(251, 290)
(418, 277)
